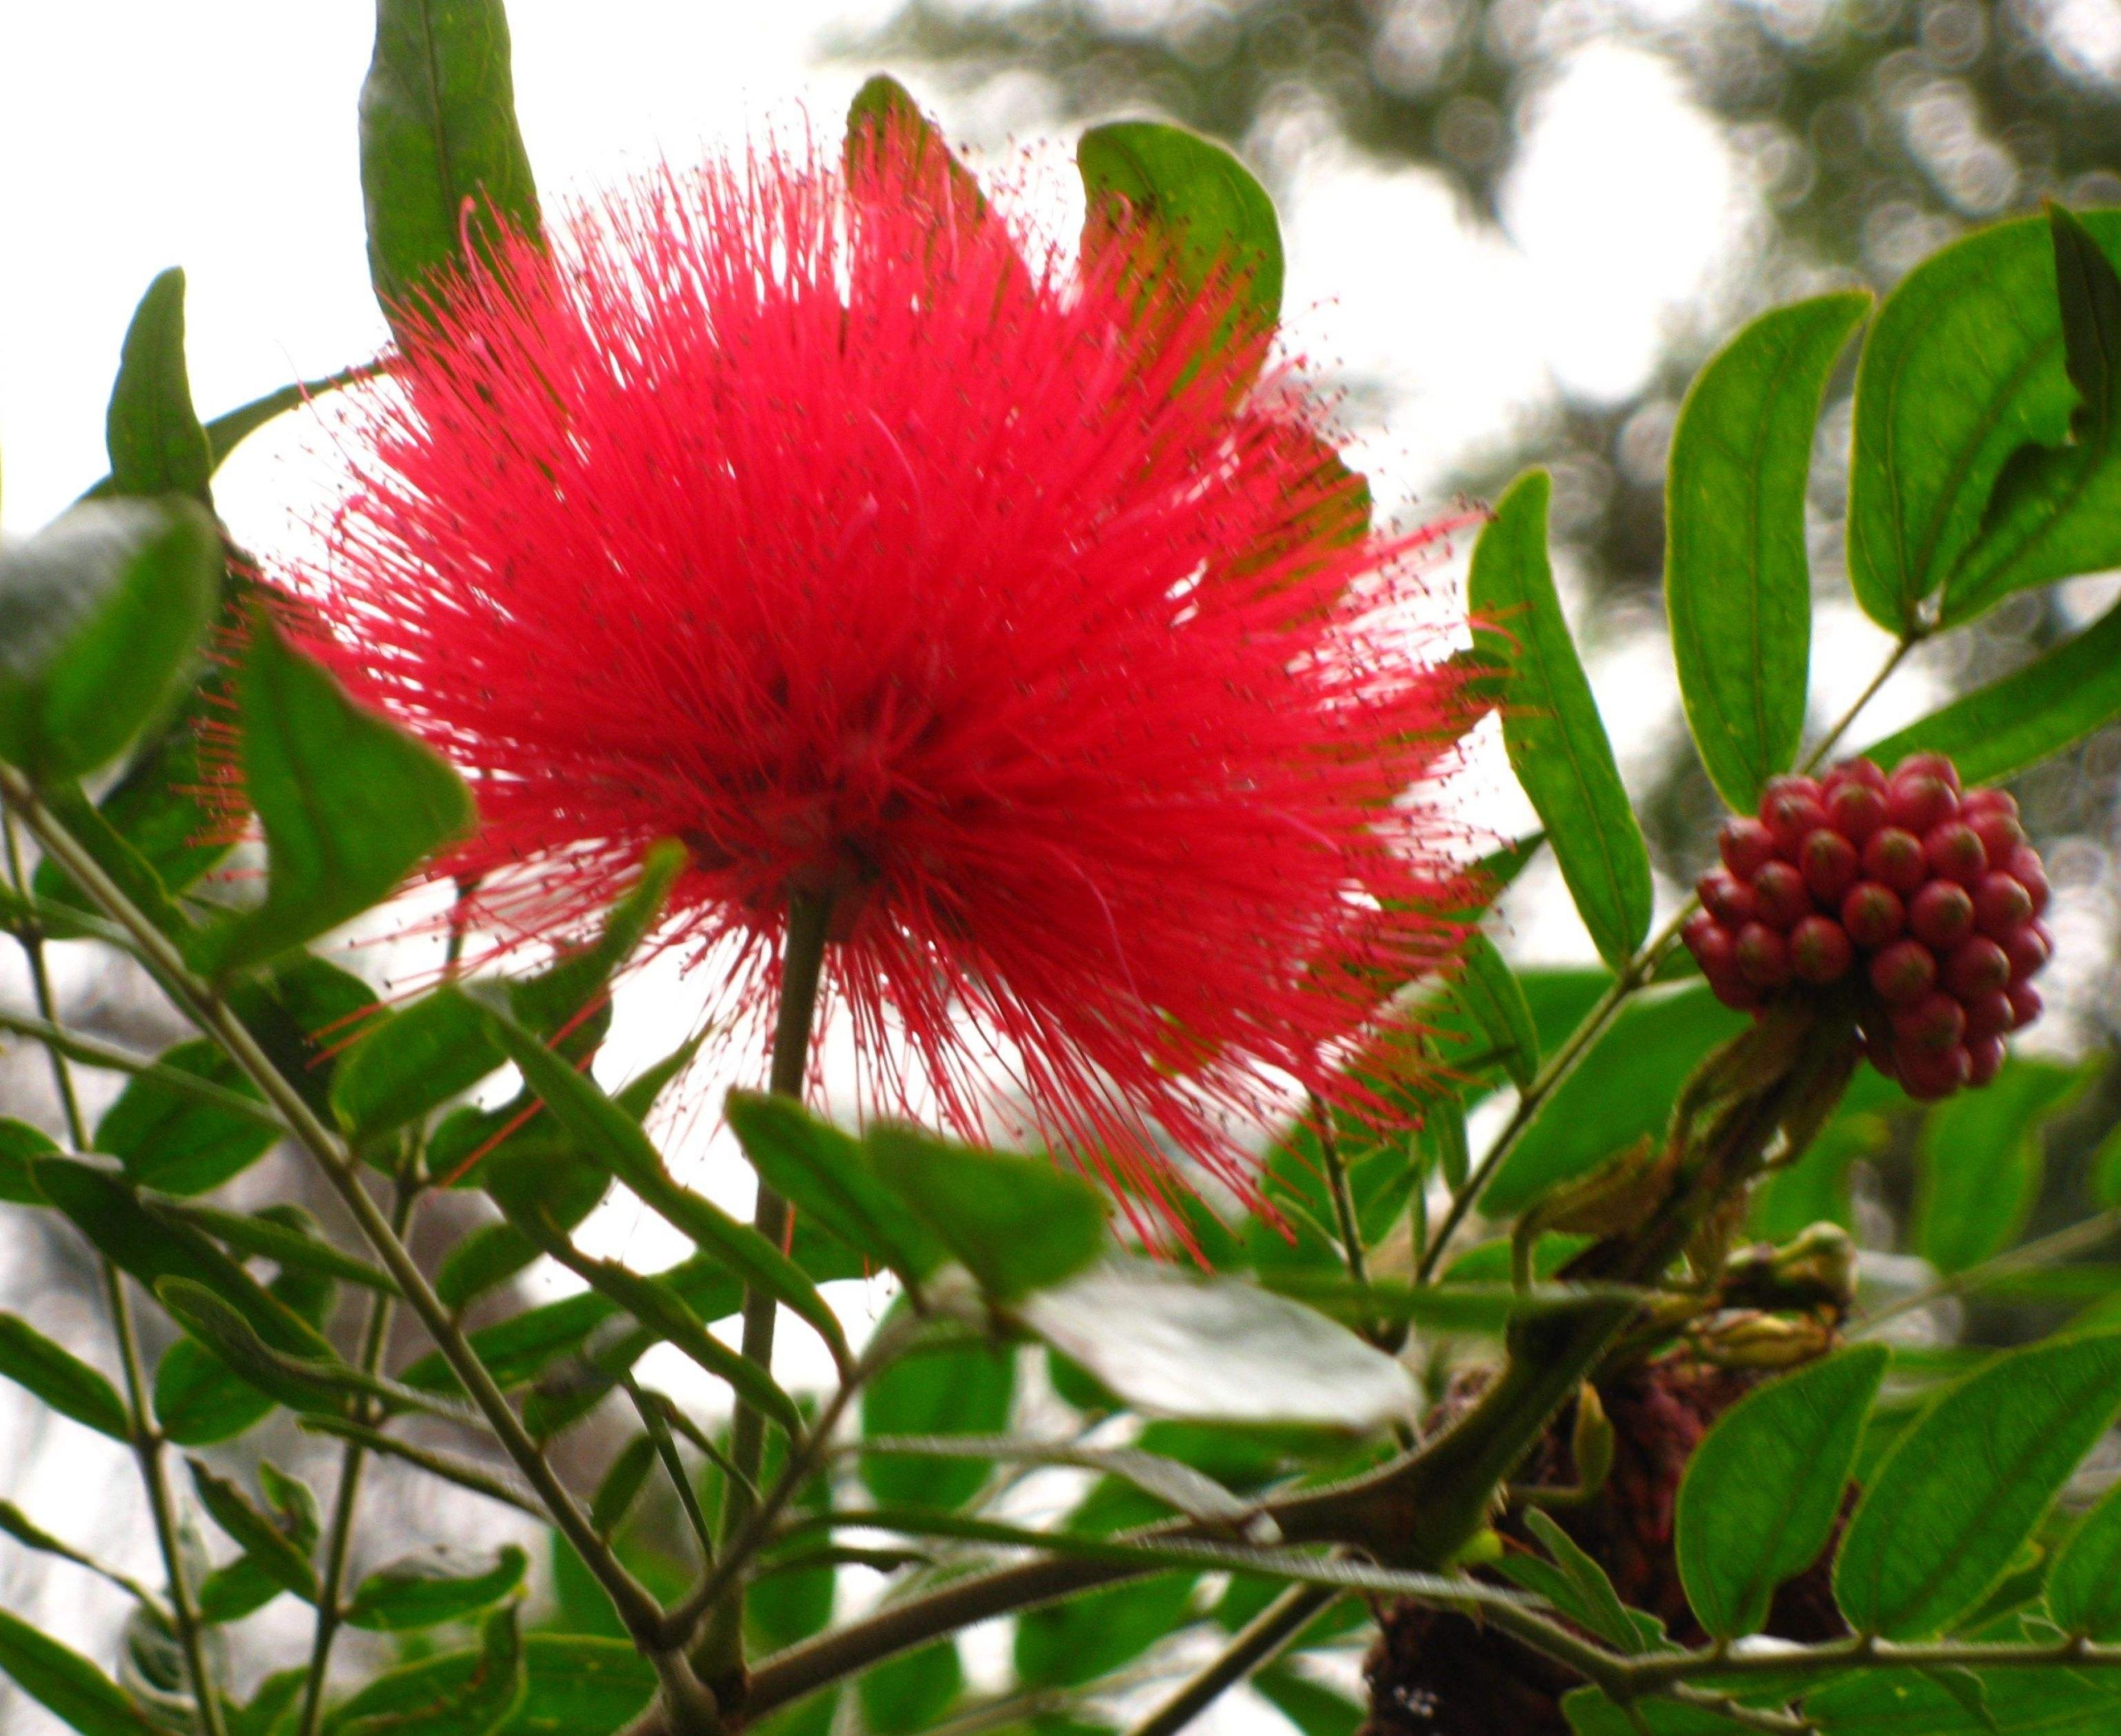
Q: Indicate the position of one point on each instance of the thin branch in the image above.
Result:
(2077, 1239)
(1257, 1643)
(110, 1058)
(447, 1466)
(212, 1015)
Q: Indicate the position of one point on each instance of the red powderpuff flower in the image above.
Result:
(834, 527)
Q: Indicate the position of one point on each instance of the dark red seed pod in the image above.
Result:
(1929, 1077)
(1989, 1016)
(1927, 764)
(1855, 810)
(1763, 955)
(1976, 967)
(2000, 905)
(1894, 857)
(1955, 852)
(1746, 845)
(1999, 833)
(2026, 1004)
(1985, 1058)
(2024, 865)
(1820, 951)
(1920, 802)
(2028, 947)
(1830, 865)
(1868, 773)
(1904, 972)
(1931, 1024)
(1711, 944)
(1780, 897)
(1976, 803)
(1873, 915)
(1941, 915)
(1727, 898)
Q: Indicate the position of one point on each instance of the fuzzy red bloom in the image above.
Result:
(879, 554)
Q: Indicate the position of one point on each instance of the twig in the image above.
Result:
(1256, 1644)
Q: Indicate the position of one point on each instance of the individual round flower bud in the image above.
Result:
(1779, 893)
(1792, 808)
(1710, 943)
(1919, 801)
(1927, 1077)
(1727, 898)
(1930, 1025)
(1855, 810)
(1976, 967)
(1927, 764)
(1830, 865)
(1985, 1055)
(1746, 845)
(1989, 1016)
(1955, 852)
(2025, 1005)
(2000, 833)
(2024, 865)
(1819, 952)
(1894, 857)
(1866, 772)
(1763, 956)
(2001, 905)
(1873, 915)
(1941, 915)
(2028, 947)
(1902, 972)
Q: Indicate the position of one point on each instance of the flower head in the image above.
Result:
(821, 518)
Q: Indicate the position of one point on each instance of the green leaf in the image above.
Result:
(826, 1174)
(884, 103)
(1575, 1584)
(230, 429)
(1453, 1306)
(1737, 583)
(1171, 1482)
(575, 1685)
(1762, 1492)
(961, 1389)
(155, 443)
(1623, 1089)
(2049, 704)
(1315, 1710)
(114, 853)
(1590, 1713)
(1550, 725)
(614, 1138)
(153, 1249)
(2051, 514)
(20, 1145)
(66, 1685)
(1964, 366)
(1982, 1162)
(622, 1482)
(1066, 1644)
(272, 1238)
(172, 1141)
(912, 1692)
(434, 1586)
(1958, 1492)
(100, 614)
(1193, 190)
(61, 1379)
(2003, 1702)
(441, 153)
(256, 1534)
(350, 804)
(412, 1062)
(199, 1399)
(275, 1696)
(2084, 1585)
(1017, 1223)
(1489, 992)
(1217, 1349)
(553, 1003)
(476, 1702)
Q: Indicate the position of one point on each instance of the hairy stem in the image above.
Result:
(206, 1009)
(353, 1460)
(147, 1440)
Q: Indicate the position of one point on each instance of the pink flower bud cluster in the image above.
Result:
(1923, 899)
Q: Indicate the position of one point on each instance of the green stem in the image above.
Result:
(1257, 1643)
(353, 1459)
(212, 1015)
(108, 1057)
(802, 973)
(2077, 1239)
(146, 1440)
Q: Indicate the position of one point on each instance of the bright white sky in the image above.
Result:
(135, 135)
